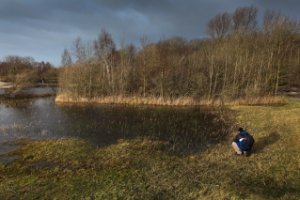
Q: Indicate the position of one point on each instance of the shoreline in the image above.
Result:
(159, 101)
(7, 92)
(24, 96)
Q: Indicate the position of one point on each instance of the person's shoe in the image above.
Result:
(247, 153)
(238, 154)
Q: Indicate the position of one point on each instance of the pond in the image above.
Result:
(42, 118)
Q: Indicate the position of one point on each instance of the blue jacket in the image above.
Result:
(244, 141)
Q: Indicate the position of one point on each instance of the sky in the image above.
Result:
(43, 28)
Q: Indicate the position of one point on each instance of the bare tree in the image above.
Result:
(66, 58)
(244, 20)
(79, 50)
(104, 51)
(219, 26)
(239, 60)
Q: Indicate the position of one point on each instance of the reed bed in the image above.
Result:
(180, 101)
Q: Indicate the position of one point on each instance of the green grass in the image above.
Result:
(145, 169)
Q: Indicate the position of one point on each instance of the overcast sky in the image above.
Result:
(43, 28)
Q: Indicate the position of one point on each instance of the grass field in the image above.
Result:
(144, 169)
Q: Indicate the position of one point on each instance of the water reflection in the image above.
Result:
(105, 124)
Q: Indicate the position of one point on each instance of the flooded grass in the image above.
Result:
(186, 129)
(147, 168)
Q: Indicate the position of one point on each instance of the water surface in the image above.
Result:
(27, 92)
(105, 124)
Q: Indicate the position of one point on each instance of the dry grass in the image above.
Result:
(144, 169)
(5, 85)
(181, 101)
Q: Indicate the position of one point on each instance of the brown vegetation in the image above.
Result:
(180, 101)
(23, 72)
(242, 60)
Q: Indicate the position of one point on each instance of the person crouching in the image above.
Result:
(243, 142)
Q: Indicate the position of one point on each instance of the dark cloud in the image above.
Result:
(42, 28)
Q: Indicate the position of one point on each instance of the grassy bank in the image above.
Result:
(146, 169)
(180, 101)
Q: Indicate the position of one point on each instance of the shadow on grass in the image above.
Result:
(184, 130)
(263, 142)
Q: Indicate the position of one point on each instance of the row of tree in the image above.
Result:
(26, 72)
(240, 59)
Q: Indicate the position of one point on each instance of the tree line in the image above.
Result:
(25, 72)
(241, 58)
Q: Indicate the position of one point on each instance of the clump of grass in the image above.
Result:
(146, 169)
